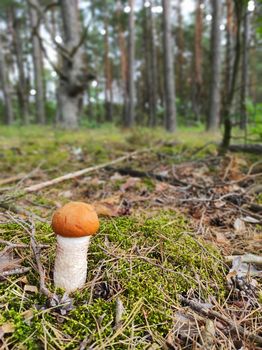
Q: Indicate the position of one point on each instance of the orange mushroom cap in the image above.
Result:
(75, 219)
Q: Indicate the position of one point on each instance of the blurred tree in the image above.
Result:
(239, 10)
(108, 76)
(38, 62)
(130, 101)
(215, 49)
(198, 62)
(73, 76)
(170, 97)
(6, 88)
(244, 78)
(17, 27)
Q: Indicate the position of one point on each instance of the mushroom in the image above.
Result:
(74, 224)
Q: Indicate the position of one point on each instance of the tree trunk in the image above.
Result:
(8, 119)
(180, 53)
(214, 99)
(170, 97)
(230, 97)
(151, 64)
(244, 78)
(229, 37)
(108, 78)
(38, 65)
(197, 75)
(74, 77)
(123, 60)
(130, 110)
(18, 49)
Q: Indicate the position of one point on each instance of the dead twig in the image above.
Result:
(17, 271)
(20, 245)
(36, 250)
(211, 314)
(30, 229)
(138, 173)
(78, 173)
(247, 258)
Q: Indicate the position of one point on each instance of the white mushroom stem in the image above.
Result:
(71, 262)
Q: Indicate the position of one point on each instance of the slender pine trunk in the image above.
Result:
(169, 79)
(214, 98)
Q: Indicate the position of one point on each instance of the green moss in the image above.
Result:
(144, 261)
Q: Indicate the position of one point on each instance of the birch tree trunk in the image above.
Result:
(130, 110)
(214, 98)
(8, 118)
(170, 97)
(38, 64)
(74, 76)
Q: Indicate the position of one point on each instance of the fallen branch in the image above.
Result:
(138, 173)
(247, 258)
(40, 186)
(211, 314)
(255, 149)
(11, 179)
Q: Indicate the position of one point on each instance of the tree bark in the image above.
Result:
(180, 53)
(38, 64)
(74, 78)
(150, 55)
(244, 78)
(214, 99)
(123, 59)
(108, 78)
(239, 5)
(197, 76)
(18, 49)
(9, 117)
(170, 97)
(130, 116)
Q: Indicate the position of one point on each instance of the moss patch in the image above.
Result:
(143, 261)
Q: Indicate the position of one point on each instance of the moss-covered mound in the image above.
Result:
(140, 263)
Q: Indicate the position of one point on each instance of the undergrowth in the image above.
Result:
(143, 261)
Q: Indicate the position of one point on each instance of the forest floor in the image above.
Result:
(176, 263)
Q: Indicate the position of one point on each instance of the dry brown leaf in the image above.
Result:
(239, 226)
(221, 238)
(106, 209)
(7, 262)
(130, 183)
(28, 315)
(30, 288)
(8, 327)
(161, 186)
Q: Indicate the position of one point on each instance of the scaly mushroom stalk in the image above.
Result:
(74, 225)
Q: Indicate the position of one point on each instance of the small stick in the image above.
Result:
(11, 179)
(18, 270)
(41, 271)
(247, 258)
(20, 245)
(69, 176)
(36, 250)
(197, 307)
